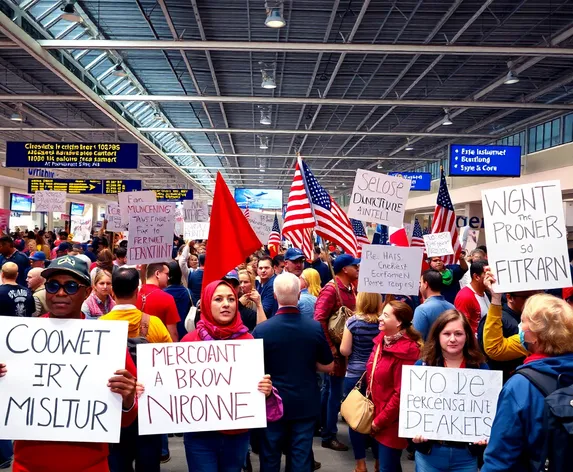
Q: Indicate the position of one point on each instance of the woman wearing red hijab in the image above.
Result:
(219, 451)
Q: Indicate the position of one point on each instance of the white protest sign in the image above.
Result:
(128, 199)
(526, 237)
(390, 269)
(195, 231)
(179, 222)
(379, 198)
(206, 386)
(469, 238)
(196, 211)
(262, 224)
(438, 244)
(81, 228)
(113, 218)
(151, 228)
(50, 200)
(56, 385)
(448, 404)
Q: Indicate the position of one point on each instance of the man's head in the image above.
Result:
(67, 285)
(232, 278)
(477, 273)
(516, 300)
(9, 272)
(278, 264)
(34, 278)
(63, 235)
(436, 263)
(63, 249)
(287, 289)
(201, 259)
(38, 259)
(157, 274)
(346, 268)
(430, 283)
(265, 268)
(121, 255)
(125, 283)
(6, 246)
(294, 261)
(477, 255)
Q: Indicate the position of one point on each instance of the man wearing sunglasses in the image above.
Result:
(67, 286)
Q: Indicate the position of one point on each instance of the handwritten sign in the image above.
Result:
(448, 404)
(48, 200)
(81, 228)
(207, 386)
(438, 244)
(390, 269)
(526, 237)
(195, 231)
(56, 385)
(128, 199)
(113, 218)
(262, 224)
(151, 227)
(379, 198)
(179, 222)
(4, 219)
(196, 211)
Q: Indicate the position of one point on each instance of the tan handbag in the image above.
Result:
(357, 409)
(337, 320)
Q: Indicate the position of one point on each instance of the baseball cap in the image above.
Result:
(68, 264)
(342, 261)
(293, 253)
(38, 256)
(232, 275)
(64, 247)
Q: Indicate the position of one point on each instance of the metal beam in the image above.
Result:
(309, 156)
(265, 46)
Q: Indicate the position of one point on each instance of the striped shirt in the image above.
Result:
(363, 334)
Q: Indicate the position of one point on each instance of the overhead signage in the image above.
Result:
(172, 195)
(112, 187)
(467, 160)
(421, 181)
(83, 186)
(70, 155)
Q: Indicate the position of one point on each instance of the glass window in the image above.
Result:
(568, 129)
(532, 139)
(547, 135)
(556, 132)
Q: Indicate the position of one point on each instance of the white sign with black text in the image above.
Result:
(196, 211)
(50, 200)
(438, 244)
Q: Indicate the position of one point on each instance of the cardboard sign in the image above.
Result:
(4, 219)
(195, 231)
(448, 404)
(81, 228)
(206, 386)
(56, 385)
(390, 269)
(113, 218)
(196, 211)
(151, 228)
(128, 199)
(48, 200)
(379, 198)
(262, 224)
(438, 244)
(526, 237)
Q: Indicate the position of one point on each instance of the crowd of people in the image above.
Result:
(456, 321)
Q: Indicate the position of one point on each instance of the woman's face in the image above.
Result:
(193, 261)
(223, 305)
(255, 263)
(453, 338)
(388, 322)
(32, 245)
(103, 286)
(245, 284)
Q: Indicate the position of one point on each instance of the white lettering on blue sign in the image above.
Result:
(41, 173)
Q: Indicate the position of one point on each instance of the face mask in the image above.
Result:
(447, 277)
(522, 340)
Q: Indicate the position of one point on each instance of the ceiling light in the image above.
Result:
(262, 170)
(409, 146)
(447, 121)
(17, 116)
(511, 78)
(118, 71)
(268, 81)
(264, 142)
(274, 18)
(69, 13)
(265, 117)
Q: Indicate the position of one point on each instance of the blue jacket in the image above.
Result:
(517, 431)
(268, 299)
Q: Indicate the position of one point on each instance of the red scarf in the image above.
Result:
(535, 357)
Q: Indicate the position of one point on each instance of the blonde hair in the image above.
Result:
(99, 274)
(249, 274)
(312, 279)
(368, 306)
(551, 319)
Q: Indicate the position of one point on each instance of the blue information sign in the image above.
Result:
(485, 161)
(172, 195)
(70, 155)
(81, 186)
(421, 181)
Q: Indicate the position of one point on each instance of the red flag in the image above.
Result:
(231, 238)
(398, 236)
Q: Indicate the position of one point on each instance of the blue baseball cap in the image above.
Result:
(293, 253)
(231, 275)
(38, 256)
(342, 261)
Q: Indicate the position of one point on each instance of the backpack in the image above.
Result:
(141, 339)
(557, 451)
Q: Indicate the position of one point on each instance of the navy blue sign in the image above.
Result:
(112, 187)
(72, 155)
(421, 181)
(485, 161)
(172, 195)
(74, 186)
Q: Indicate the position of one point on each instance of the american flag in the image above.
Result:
(445, 220)
(298, 220)
(275, 235)
(331, 222)
(247, 212)
(360, 233)
(417, 235)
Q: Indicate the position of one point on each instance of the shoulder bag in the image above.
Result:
(337, 320)
(191, 314)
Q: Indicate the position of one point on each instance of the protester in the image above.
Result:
(104, 262)
(100, 301)
(62, 237)
(251, 313)
(8, 253)
(451, 275)
(329, 300)
(321, 267)
(278, 264)
(357, 344)
(67, 286)
(62, 250)
(265, 285)
(472, 300)
(294, 261)
(434, 303)
(450, 344)
(519, 431)
(219, 450)
(195, 281)
(247, 289)
(154, 301)
(41, 245)
(35, 283)
(475, 256)
(180, 294)
(15, 299)
(120, 256)
(90, 253)
(309, 290)
(38, 259)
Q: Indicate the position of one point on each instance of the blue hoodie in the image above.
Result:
(517, 432)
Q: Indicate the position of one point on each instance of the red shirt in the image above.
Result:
(467, 303)
(158, 303)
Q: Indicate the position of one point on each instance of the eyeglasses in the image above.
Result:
(70, 287)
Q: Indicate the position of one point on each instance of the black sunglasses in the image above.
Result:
(70, 287)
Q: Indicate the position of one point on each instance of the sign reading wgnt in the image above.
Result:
(172, 195)
(81, 186)
(96, 155)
